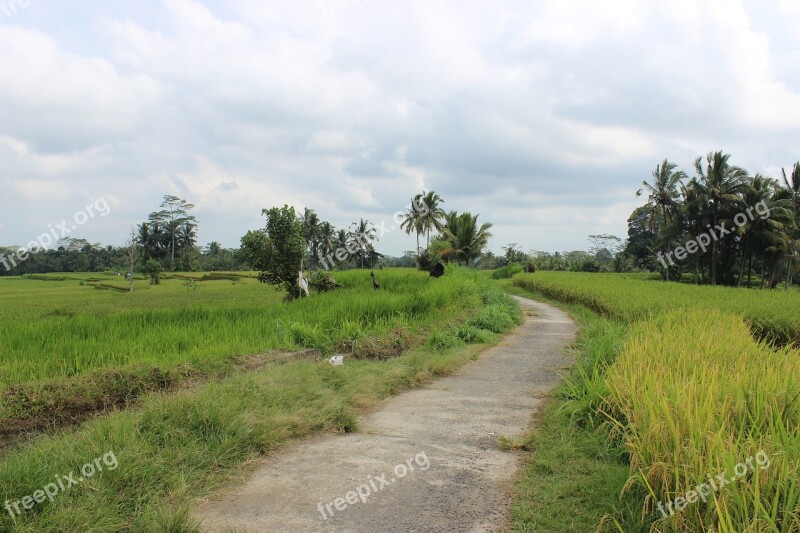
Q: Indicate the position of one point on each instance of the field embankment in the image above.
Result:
(708, 417)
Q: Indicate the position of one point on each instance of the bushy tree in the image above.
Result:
(281, 253)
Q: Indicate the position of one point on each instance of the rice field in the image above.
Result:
(60, 326)
(694, 390)
(773, 315)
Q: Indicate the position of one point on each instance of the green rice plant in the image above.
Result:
(175, 448)
(62, 329)
(471, 334)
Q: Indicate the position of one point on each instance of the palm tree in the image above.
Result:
(412, 221)
(466, 239)
(213, 248)
(792, 191)
(186, 236)
(310, 229)
(759, 190)
(663, 195)
(431, 214)
(721, 184)
(326, 238)
(363, 233)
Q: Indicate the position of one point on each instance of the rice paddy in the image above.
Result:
(66, 326)
(176, 446)
(694, 383)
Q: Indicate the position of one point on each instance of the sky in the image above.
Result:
(542, 116)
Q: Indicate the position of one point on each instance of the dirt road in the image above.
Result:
(426, 460)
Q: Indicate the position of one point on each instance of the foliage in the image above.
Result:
(710, 205)
(322, 281)
(171, 229)
(689, 394)
(507, 271)
(153, 268)
(284, 249)
(465, 238)
(80, 329)
(724, 398)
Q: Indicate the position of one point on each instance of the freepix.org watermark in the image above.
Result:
(373, 485)
(12, 7)
(704, 240)
(55, 233)
(702, 491)
(62, 483)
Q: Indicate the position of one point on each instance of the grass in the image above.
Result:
(683, 392)
(175, 448)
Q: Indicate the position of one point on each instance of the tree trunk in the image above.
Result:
(788, 273)
(714, 253)
(664, 209)
(744, 259)
(750, 268)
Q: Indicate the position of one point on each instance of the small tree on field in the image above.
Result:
(280, 251)
(154, 268)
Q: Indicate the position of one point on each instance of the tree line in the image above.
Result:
(720, 226)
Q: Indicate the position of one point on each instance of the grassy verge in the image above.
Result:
(174, 448)
(575, 475)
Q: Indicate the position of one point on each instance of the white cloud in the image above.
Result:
(543, 117)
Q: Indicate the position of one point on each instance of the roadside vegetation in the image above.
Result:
(680, 392)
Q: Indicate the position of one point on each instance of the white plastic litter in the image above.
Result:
(336, 360)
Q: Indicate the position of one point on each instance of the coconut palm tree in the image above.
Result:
(186, 236)
(663, 197)
(792, 191)
(465, 237)
(721, 184)
(327, 239)
(431, 214)
(412, 221)
(310, 228)
(213, 248)
(363, 233)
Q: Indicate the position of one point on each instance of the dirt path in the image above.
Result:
(427, 460)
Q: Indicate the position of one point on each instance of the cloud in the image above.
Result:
(544, 117)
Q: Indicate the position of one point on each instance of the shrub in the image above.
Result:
(507, 271)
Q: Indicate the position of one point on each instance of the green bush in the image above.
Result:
(507, 271)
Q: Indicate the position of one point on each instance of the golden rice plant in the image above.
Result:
(693, 396)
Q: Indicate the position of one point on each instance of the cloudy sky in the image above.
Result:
(543, 116)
